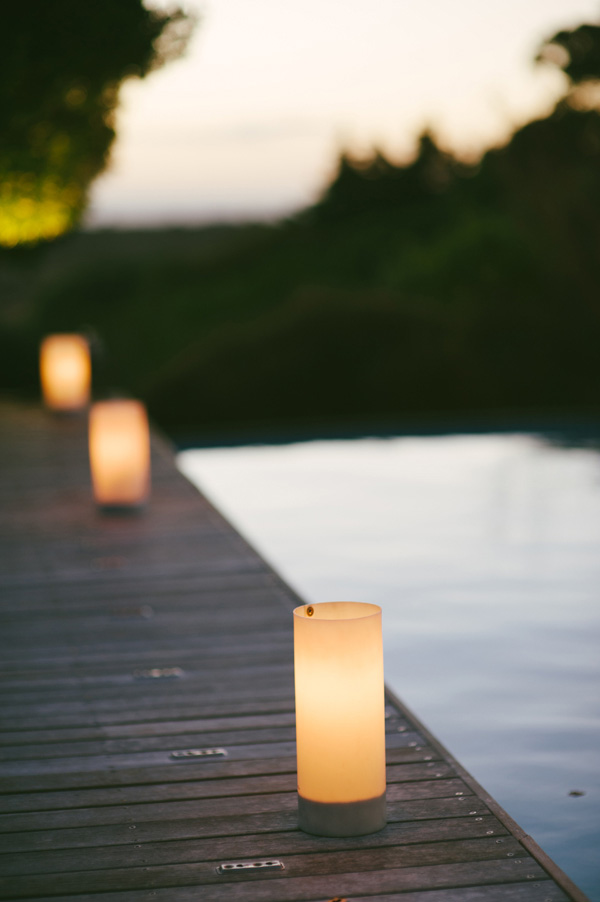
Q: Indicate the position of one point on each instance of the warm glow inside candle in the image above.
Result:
(119, 444)
(65, 372)
(340, 718)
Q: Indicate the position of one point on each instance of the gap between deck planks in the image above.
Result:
(94, 807)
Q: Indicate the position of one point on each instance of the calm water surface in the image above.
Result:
(484, 553)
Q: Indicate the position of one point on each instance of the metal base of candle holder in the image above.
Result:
(342, 818)
(122, 510)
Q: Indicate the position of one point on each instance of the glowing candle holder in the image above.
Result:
(65, 372)
(119, 445)
(340, 718)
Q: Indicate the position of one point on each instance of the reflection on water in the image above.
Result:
(484, 553)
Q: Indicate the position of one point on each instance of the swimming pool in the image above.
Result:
(484, 553)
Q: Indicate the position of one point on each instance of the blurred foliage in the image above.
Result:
(576, 52)
(425, 286)
(61, 66)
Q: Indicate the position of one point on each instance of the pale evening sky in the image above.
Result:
(250, 122)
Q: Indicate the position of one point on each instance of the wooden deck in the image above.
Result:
(126, 639)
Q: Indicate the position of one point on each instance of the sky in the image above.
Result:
(250, 123)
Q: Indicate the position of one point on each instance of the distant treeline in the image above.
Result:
(429, 287)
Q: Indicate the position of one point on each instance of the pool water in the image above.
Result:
(484, 553)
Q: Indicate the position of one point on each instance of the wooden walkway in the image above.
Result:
(127, 641)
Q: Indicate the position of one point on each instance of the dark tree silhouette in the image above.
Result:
(61, 66)
(576, 52)
(374, 182)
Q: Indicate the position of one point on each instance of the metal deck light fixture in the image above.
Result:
(65, 372)
(340, 718)
(119, 445)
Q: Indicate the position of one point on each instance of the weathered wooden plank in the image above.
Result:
(40, 766)
(264, 814)
(279, 888)
(121, 738)
(36, 748)
(56, 741)
(183, 590)
(231, 562)
(131, 746)
(94, 807)
(34, 687)
(203, 873)
(84, 715)
(162, 728)
(260, 846)
(218, 555)
(159, 788)
(114, 657)
(133, 684)
(167, 594)
(411, 785)
(112, 607)
(47, 633)
(231, 693)
(174, 771)
(518, 892)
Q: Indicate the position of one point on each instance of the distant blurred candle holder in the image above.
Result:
(340, 718)
(65, 372)
(119, 447)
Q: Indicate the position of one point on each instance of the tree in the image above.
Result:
(576, 52)
(61, 66)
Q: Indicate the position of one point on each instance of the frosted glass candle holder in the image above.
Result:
(119, 446)
(340, 718)
(65, 372)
